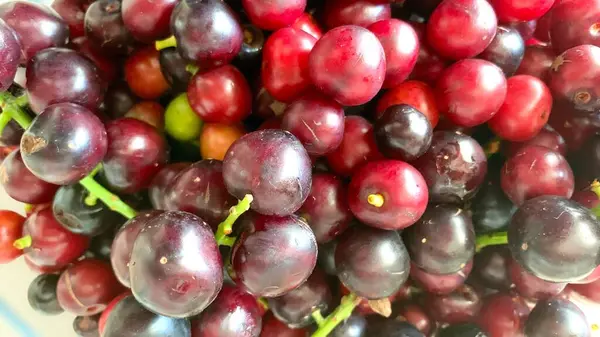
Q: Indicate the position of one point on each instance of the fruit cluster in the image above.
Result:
(346, 168)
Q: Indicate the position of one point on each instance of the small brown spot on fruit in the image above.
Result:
(31, 144)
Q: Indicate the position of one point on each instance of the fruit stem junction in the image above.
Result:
(316, 315)
(4, 119)
(166, 43)
(340, 314)
(376, 200)
(493, 239)
(595, 187)
(226, 227)
(22, 243)
(11, 106)
(111, 200)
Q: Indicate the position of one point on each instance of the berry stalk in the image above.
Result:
(595, 187)
(166, 43)
(494, 239)
(226, 227)
(341, 313)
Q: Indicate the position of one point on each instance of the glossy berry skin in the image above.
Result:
(41, 294)
(307, 23)
(122, 245)
(353, 326)
(172, 65)
(360, 13)
(491, 268)
(106, 66)
(461, 29)
(131, 319)
(460, 306)
(403, 133)
(348, 64)
(442, 241)
(401, 46)
(11, 227)
(10, 56)
(73, 13)
(200, 39)
(86, 287)
(74, 214)
(64, 144)
(437, 283)
(221, 95)
(562, 317)
(574, 77)
(326, 209)
(536, 62)
(402, 189)
(250, 55)
(381, 326)
(417, 94)
(503, 315)
(462, 330)
(317, 121)
(37, 27)
(295, 308)
(535, 171)
(491, 209)
(371, 262)
(272, 327)
(58, 75)
(109, 308)
(135, 154)
(514, 10)
(11, 135)
(357, 148)
(143, 74)
(506, 50)
(573, 23)
(470, 92)
(162, 182)
(273, 255)
(525, 111)
(546, 237)
(284, 71)
(150, 112)
(216, 139)
(22, 185)
(52, 247)
(454, 167)
(162, 279)
(530, 286)
(547, 137)
(104, 26)
(234, 313)
(200, 189)
(429, 64)
(86, 326)
(119, 99)
(273, 15)
(273, 167)
(147, 20)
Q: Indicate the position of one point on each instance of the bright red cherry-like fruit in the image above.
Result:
(401, 45)
(234, 313)
(388, 194)
(416, 93)
(143, 74)
(460, 29)
(573, 23)
(272, 166)
(11, 228)
(207, 32)
(525, 110)
(503, 315)
(307, 23)
(104, 27)
(22, 185)
(285, 63)
(10, 56)
(86, 287)
(147, 20)
(348, 64)
(274, 254)
(183, 272)
(64, 143)
(521, 10)
(317, 121)
(52, 246)
(221, 95)
(36, 26)
(536, 171)
(274, 14)
(357, 148)
(73, 12)
(575, 78)
(358, 12)
(470, 92)
(326, 209)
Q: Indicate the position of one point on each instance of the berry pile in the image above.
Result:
(345, 168)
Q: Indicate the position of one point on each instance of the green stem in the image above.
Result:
(22, 243)
(319, 319)
(166, 43)
(493, 146)
(192, 69)
(226, 227)
(494, 239)
(22, 101)
(595, 187)
(111, 200)
(9, 105)
(91, 200)
(263, 303)
(4, 119)
(341, 313)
